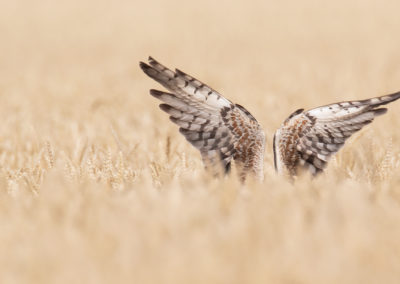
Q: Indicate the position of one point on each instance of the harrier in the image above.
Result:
(224, 131)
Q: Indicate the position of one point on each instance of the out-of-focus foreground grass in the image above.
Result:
(97, 186)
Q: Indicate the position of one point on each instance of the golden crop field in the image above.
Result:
(98, 186)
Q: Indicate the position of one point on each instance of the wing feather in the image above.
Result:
(221, 130)
(309, 139)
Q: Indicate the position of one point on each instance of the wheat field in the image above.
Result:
(97, 186)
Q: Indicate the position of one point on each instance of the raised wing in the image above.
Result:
(221, 130)
(309, 139)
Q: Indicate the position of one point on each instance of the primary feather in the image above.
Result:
(221, 130)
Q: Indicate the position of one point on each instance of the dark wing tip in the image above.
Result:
(379, 111)
(183, 131)
(174, 119)
(143, 65)
(165, 107)
(383, 100)
(395, 95)
(392, 97)
(150, 71)
(156, 93)
(152, 61)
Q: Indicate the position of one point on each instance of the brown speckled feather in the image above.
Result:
(308, 139)
(221, 130)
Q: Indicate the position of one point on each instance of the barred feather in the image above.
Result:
(221, 130)
(308, 139)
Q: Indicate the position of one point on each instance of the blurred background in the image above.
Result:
(271, 56)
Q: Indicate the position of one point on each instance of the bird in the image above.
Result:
(224, 131)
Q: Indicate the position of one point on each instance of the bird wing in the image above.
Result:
(320, 132)
(221, 130)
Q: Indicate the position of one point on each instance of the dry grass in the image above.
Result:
(97, 186)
